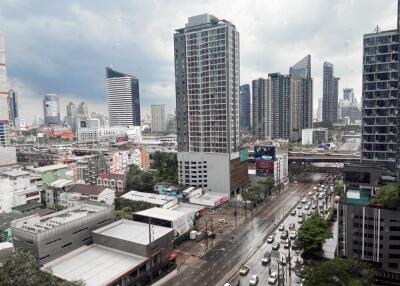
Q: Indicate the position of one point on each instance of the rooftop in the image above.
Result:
(50, 168)
(113, 176)
(14, 173)
(37, 224)
(148, 197)
(61, 183)
(86, 190)
(95, 265)
(133, 231)
(161, 213)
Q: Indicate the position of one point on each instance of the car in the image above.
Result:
(284, 234)
(284, 260)
(307, 207)
(300, 214)
(315, 188)
(293, 212)
(227, 284)
(292, 226)
(310, 194)
(293, 235)
(270, 239)
(276, 246)
(321, 197)
(300, 220)
(299, 207)
(222, 220)
(244, 270)
(295, 182)
(253, 280)
(281, 227)
(273, 277)
(266, 259)
(303, 200)
(313, 207)
(286, 244)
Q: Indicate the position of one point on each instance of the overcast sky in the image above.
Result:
(63, 47)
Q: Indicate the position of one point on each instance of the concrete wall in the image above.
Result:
(217, 166)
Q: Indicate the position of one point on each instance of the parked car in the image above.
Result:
(281, 227)
(270, 239)
(303, 200)
(273, 277)
(300, 214)
(244, 270)
(227, 284)
(293, 235)
(276, 246)
(253, 280)
(284, 260)
(300, 220)
(292, 226)
(222, 220)
(307, 207)
(286, 244)
(299, 207)
(293, 212)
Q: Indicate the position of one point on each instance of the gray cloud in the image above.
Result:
(63, 46)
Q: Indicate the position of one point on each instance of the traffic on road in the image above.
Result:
(276, 260)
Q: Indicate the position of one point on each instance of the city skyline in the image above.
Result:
(150, 54)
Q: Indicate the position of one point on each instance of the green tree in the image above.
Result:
(388, 196)
(138, 180)
(311, 237)
(23, 269)
(166, 165)
(125, 208)
(340, 271)
(339, 188)
(268, 184)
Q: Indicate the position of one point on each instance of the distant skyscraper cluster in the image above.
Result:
(123, 98)
(282, 104)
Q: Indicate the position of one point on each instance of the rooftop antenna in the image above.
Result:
(377, 29)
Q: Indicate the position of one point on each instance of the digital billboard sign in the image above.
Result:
(265, 153)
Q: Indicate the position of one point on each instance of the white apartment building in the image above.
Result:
(17, 188)
(158, 118)
(109, 134)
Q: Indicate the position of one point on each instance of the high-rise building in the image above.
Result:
(319, 109)
(3, 81)
(261, 119)
(82, 109)
(4, 131)
(245, 110)
(100, 116)
(71, 116)
(207, 102)
(348, 94)
(13, 107)
(330, 95)
(380, 97)
(301, 97)
(271, 107)
(123, 98)
(158, 118)
(51, 109)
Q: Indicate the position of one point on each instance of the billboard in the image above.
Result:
(265, 153)
(264, 168)
(51, 108)
(83, 124)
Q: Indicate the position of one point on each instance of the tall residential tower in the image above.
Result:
(123, 99)
(302, 97)
(245, 110)
(330, 95)
(207, 102)
(158, 118)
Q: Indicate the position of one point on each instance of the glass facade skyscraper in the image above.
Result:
(123, 98)
(330, 95)
(245, 108)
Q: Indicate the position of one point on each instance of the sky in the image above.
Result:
(63, 47)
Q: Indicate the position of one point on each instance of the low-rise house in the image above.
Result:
(79, 192)
(112, 181)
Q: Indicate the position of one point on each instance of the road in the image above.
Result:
(254, 262)
(228, 255)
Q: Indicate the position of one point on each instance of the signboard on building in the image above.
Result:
(264, 168)
(51, 109)
(266, 153)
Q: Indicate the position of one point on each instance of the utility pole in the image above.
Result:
(235, 214)
(212, 234)
(206, 236)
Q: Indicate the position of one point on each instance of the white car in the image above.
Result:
(270, 239)
(303, 200)
(293, 235)
(253, 280)
(273, 277)
(227, 284)
(282, 227)
(299, 207)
